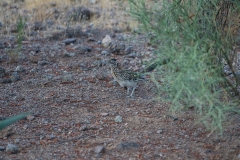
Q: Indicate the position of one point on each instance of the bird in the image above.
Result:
(128, 78)
(125, 78)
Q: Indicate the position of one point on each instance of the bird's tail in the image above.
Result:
(155, 64)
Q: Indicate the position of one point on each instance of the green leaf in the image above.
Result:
(11, 120)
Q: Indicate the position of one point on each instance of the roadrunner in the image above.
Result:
(125, 78)
(128, 78)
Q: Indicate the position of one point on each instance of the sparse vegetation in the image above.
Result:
(62, 76)
(191, 34)
(14, 53)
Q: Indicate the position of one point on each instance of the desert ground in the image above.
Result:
(60, 75)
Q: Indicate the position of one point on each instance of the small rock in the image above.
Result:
(44, 121)
(132, 55)
(50, 137)
(92, 1)
(53, 4)
(25, 126)
(99, 149)
(84, 13)
(83, 128)
(91, 79)
(7, 132)
(2, 72)
(86, 48)
(11, 149)
(105, 53)
(21, 56)
(38, 26)
(80, 13)
(6, 80)
(69, 41)
(91, 39)
(2, 118)
(69, 54)
(128, 145)
(67, 77)
(89, 35)
(30, 117)
(74, 32)
(41, 137)
(17, 141)
(106, 41)
(15, 77)
(4, 4)
(2, 45)
(2, 148)
(118, 119)
(19, 69)
(50, 22)
(43, 62)
(128, 50)
(104, 114)
(114, 83)
(160, 131)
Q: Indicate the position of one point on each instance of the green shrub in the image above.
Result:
(20, 31)
(199, 38)
(14, 53)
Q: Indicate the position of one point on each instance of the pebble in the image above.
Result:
(43, 62)
(86, 48)
(19, 69)
(30, 117)
(99, 149)
(25, 126)
(91, 40)
(106, 41)
(105, 53)
(92, 1)
(128, 145)
(128, 50)
(2, 148)
(83, 128)
(2, 45)
(118, 119)
(15, 77)
(17, 141)
(69, 54)
(132, 55)
(160, 131)
(52, 136)
(69, 41)
(104, 114)
(67, 77)
(6, 80)
(38, 26)
(11, 149)
(2, 72)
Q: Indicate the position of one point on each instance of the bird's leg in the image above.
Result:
(128, 89)
(132, 91)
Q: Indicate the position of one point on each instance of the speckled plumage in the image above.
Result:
(125, 78)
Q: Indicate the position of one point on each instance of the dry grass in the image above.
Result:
(113, 13)
(106, 13)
